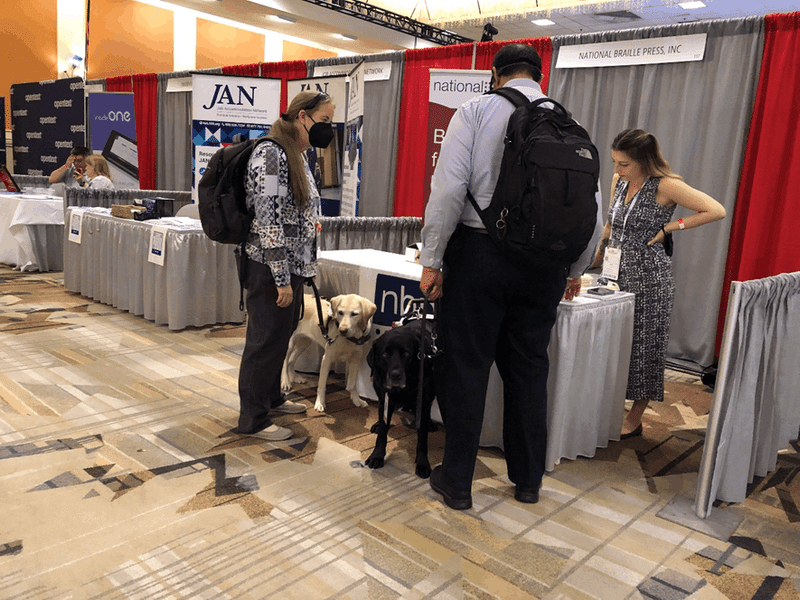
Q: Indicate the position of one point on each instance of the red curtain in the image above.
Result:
(764, 240)
(119, 84)
(251, 69)
(145, 103)
(289, 69)
(413, 125)
(543, 45)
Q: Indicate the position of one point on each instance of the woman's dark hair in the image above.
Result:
(518, 58)
(643, 148)
(284, 131)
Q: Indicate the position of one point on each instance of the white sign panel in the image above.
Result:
(353, 135)
(226, 107)
(681, 48)
(335, 87)
(373, 71)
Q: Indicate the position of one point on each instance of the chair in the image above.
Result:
(188, 210)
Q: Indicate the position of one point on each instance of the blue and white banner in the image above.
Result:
(224, 106)
(353, 136)
(112, 133)
(47, 121)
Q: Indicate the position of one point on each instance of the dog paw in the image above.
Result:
(286, 387)
(319, 406)
(424, 471)
(357, 401)
(374, 462)
(300, 379)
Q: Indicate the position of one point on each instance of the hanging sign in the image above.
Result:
(353, 136)
(679, 48)
(224, 106)
(373, 71)
(449, 89)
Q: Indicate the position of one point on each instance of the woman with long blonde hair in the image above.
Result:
(279, 254)
(97, 175)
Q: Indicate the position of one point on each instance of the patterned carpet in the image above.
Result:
(120, 477)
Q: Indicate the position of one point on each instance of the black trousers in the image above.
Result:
(493, 310)
(269, 329)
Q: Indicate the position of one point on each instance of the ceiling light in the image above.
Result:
(284, 19)
(346, 36)
(543, 22)
(690, 5)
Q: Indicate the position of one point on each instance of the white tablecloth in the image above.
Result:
(197, 285)
(31, 229)
(589, 351)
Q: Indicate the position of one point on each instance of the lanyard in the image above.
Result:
(628, 211)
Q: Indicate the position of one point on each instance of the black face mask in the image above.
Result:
(320, 135)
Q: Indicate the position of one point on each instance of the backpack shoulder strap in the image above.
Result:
(513, 95)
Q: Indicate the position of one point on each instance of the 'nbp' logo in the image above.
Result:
(391, 296)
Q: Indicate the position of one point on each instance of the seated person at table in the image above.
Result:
(97, 175)
(76, 161)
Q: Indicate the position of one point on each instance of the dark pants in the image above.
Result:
(269, 329)
(493, 310)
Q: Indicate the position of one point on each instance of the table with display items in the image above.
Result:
(589, 351)
(196, 285)
(31, 229)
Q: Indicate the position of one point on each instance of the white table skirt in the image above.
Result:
(590, 350)
(197, 285)
(31, 229)
(589, 353)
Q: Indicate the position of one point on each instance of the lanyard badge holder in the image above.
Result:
(613, 253)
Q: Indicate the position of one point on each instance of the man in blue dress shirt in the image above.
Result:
(492, 309)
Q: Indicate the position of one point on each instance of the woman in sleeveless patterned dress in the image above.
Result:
(644, 194)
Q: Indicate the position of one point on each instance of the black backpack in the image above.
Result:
(221, 197)
(543, 210)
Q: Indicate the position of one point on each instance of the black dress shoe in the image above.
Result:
(456, 499)
(528, 495)
(636, 432)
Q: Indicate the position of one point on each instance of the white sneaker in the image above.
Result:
(273, 433)
(290, 407)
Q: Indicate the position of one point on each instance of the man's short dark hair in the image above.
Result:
(80, 151)
(518, 58)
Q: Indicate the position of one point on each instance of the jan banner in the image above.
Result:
(449, 89)
(112, 133)
(335, 87)
(47, 121)
(353, 136)
(224, 106)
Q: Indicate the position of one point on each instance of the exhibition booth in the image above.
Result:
(719, 112)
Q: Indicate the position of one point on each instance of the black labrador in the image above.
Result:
(394, 361)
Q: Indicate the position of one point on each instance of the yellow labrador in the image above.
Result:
(349, 321)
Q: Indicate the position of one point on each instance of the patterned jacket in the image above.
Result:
(282, 235)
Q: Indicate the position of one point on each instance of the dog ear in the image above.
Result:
(334, 305)
(371, 358)
(369, 308)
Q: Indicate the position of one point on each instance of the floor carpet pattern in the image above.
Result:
(121, 477)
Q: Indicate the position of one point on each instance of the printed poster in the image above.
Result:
(224, 106)
(353, 136)
(112, 134)
(449, 89)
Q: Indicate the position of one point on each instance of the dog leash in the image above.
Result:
(422, 353)
(323, 324)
